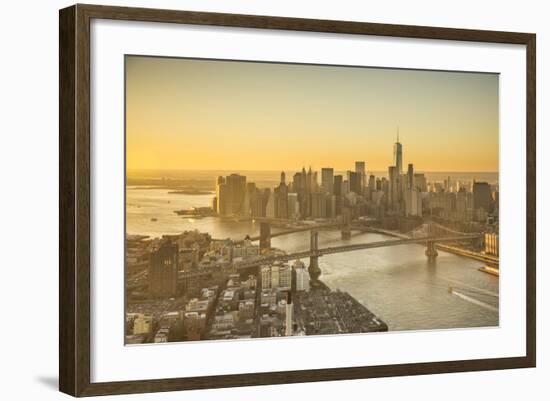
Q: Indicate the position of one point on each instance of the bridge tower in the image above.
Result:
(313, 269)
(346, 223)
(431, 252)
(265, 235)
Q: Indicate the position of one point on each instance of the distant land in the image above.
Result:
(204, 180)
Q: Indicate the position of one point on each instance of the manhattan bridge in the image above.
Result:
(428, 234)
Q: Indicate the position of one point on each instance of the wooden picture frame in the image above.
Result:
(74, 199)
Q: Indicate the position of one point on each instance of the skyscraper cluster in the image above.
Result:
(402, 193)
(301, 198)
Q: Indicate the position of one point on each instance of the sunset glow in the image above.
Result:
(204, 114)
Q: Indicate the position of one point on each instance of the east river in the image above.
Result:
(396, 283)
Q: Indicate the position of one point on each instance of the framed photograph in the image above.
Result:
(250, 200)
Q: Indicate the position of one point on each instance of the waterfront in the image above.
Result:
(398, 284)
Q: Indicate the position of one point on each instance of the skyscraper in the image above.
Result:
(338, 185)
(281, 200)
(331, 205)
(237, 189)
(372, 183)
(163, 270)
(420, 182)
(288, 314)
(398, 155)
(413, 202)
(354, 180)
(482, 196)
(257, 208)
(302, 276)
(338, 182)
(394, 187)
(230, 195)
(222, 197)
(270, 210)
(327, 180)
(361, 169)
(410, 177)
(464, 205)
(299, 182)
(318, 205)
(310, 181)
(293, 208)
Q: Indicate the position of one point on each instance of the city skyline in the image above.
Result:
(318, 115)
(351, 211)
(198, 287)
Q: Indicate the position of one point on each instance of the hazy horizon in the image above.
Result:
(134, 170)
(207, 178)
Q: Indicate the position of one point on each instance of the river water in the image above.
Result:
(396, 283)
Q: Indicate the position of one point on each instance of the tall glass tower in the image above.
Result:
(398, 155)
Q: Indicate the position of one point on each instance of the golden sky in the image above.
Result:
(227, 115)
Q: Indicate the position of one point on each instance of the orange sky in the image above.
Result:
(223, 115)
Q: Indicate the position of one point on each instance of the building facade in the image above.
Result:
(163, 270)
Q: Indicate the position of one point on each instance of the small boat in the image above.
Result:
(154, 219)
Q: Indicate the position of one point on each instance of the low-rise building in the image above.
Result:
(268, 297)
(162, 335)
(246, 310)
(223, 322)
(142, 324)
